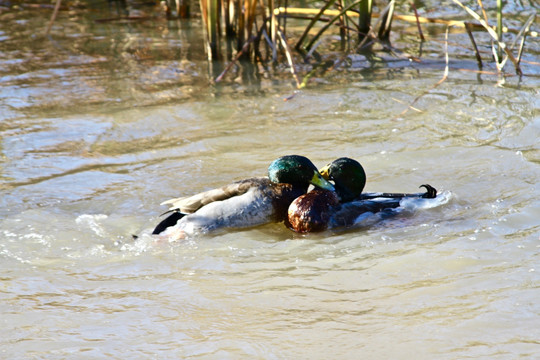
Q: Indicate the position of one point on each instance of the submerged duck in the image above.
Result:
(319, 210)
(244, 203)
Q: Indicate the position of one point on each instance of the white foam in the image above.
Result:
(413, 204)
(93, 222)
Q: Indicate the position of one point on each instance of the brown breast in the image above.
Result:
(311, 212)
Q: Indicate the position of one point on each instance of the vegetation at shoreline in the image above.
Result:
(269, 34)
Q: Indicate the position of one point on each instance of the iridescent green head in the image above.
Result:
(298, 171)
(348, 175)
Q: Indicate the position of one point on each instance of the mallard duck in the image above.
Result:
(244, 203)
(319, 210)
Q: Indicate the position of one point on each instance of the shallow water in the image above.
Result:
(95, 134)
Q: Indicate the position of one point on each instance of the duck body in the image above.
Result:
(320, 209)
(242, 204)
(251, 202)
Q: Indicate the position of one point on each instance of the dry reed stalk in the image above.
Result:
(53, 17)
(332, 21)
(418, 22)
(289, 57)
(318, 14)
(236, 58)
(408, 18)
(374, 38)
(476, 52)
(386, 21)
(523, 34)
(495, 37)
(499, 28)
(409, 106)
(290, 12)
(210, 14)
(481, 6)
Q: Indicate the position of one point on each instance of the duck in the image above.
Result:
(242, 204)
(322, 209)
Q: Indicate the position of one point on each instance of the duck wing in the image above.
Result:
(347, 214)
(190, 204)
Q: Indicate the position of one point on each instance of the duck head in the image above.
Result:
(348, 175)
(298, 171)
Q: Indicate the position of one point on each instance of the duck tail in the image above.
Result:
(169, 221)
(430, 193)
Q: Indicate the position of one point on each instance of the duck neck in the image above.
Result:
(300, 187)
(349, 191)
(345, 194)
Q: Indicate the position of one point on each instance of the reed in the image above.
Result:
(211, 18)
(496, 35)
(364, 18)
(256, 30)
(238, 17)
(53, 17)
(499, 28)
(330, 23)
(231, 23)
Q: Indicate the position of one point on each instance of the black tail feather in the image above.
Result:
(430, 193)
(169, 221)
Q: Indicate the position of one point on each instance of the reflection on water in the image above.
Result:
(105, 121)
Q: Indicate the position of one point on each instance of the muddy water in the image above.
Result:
(103, 122)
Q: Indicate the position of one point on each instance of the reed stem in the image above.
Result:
(53, 17)
(499, 28)
(364, 19)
